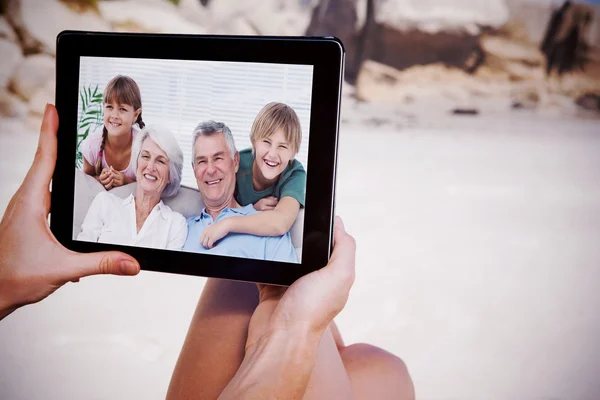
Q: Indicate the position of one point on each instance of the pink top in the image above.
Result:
(90, 149)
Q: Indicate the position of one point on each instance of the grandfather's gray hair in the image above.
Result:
(169, 144)
(209, 128)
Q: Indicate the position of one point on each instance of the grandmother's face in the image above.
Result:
(153, 168)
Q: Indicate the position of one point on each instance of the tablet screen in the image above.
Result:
(197, 156)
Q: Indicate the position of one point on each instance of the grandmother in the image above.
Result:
(142, 219)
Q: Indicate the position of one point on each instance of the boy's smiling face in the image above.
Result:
(272, 154)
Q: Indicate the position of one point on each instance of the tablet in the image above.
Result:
(203, 155)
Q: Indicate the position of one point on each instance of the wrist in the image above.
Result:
(6, 307)
(229, 224)
(278, 365)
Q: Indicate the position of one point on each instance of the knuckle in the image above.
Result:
(105, 264)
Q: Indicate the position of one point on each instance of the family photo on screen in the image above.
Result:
(239, 201)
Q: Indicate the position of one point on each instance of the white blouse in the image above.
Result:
(111, 219)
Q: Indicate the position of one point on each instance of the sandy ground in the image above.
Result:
(478, 264)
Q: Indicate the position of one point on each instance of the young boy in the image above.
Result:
(269, 177)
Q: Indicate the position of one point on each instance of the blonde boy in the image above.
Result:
(269, 177)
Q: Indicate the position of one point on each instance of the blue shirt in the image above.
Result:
(273, 248)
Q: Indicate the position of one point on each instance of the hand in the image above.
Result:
(266, 203)
(106, 178)
(118, 178)
(214, 233)
(33, 264)
(310, 303)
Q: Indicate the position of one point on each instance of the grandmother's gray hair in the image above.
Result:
(169, 144)
(209, 128)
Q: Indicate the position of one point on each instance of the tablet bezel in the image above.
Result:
(326, 54)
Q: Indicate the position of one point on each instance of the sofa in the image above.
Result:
(187, 202)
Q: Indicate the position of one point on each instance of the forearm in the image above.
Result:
(266, 223)
(277, 366)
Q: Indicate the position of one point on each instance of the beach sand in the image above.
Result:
(478, 264)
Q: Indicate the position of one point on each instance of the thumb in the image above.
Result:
(102, 263)
(39, 175)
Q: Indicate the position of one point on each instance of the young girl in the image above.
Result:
(269, 177)
(107, 152)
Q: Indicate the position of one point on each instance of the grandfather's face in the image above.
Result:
(215, 170)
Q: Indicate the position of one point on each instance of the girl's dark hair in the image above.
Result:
(121, 90)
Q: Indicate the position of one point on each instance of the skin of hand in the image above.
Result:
(118, 178)
(286, 328)
(106, 178)
(266, 203)
(33, 264)
(214, 233)
(310, 303)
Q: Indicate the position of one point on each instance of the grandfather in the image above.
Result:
(215, 162)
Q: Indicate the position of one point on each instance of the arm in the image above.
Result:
(89, 168)
(105, 177)
(274, 222)
(33, 264)
(286, 356)
(287, 326)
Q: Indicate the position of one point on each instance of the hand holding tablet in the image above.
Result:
(32, 263)
(211, 156)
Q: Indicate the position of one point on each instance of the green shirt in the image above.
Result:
(292, 182)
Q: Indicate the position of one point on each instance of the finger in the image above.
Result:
(108, 262)
(39, 175)
(343, 258)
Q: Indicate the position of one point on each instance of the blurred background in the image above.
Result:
(469, 173)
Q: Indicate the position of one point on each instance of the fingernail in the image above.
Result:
(46, 109)
(128, 267)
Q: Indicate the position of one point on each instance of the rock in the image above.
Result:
(519, 60)
(403, 33)
(435, 16)
(11, 106)
(589, 101)
(34, 72)
(6, 31)
(464, 111)
(262, 17)
(38, 22)
(512, 50)
(11, 57)
(40, 98)
(194, 12)
(340, 18)
(150, 16)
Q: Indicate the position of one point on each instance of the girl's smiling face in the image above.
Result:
(119, 118)
(152, 168)
(273, 153)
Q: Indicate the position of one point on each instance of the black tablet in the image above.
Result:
(203, 155)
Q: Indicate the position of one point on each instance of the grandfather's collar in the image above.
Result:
(246, 210)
